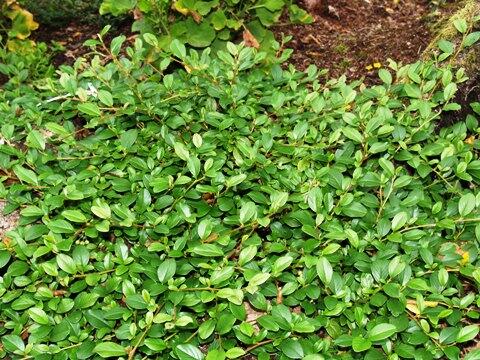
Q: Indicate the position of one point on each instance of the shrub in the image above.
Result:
(225, 209)
(201, 23)
(22, 22)
(27, 63)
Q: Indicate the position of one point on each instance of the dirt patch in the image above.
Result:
(7, 222)
(72, 36)
(358, 36)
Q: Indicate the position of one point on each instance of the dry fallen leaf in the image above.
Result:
(250, 40)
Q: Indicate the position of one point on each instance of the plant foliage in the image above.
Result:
(223, 209)
(22, 22)
(202, 23)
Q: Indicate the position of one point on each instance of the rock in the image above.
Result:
(467, 58)
(7, 222)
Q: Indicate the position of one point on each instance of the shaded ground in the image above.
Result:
(72, 36)
(355, 39)
(358, 34)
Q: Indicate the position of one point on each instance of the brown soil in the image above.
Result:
(356, 34)
(72, 36)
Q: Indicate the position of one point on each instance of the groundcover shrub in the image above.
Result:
(208, 208)
(203, 23)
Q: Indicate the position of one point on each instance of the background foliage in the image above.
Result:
(202, 23)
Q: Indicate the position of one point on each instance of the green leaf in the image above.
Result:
(25, 175)
(13, 343)
(399, 220)
(449, 91)
(128, 138)
(66, 263)
(89, 109)
(204, 228)
(233, 295)
(178, 49)
(281, 264)
(36, 140)
(247, 212)
(206, 329)
(109, 349)
(38, 315)
(208, 250)
(385, 76)
(446, 46)
(60, 227)
(324, 270)
(292, 349)
(360, 344)
(353, 134)
(116, 44)
(259, 279)
(473, 354)
(85, 300)
(166, 270)
(105, 97)
(235, 180)
(467, 333)
(466, 204)
(151, 39)
(471, 38)
(234, 353)
(247, 254)
(74, 215)
(461, 25)
(277, 200)
(188, 352)
(101, 209)
(381, 331)
(181, 151)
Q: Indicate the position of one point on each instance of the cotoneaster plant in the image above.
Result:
(205, 207)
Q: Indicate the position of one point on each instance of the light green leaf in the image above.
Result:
(234, 353)
(381, 331)
(38, 315)
(208, 250)
(110, 349)
(324, 270)
(247, 212)
(188, 352)
(60, 227)
(399, 220)
(66, 263)
(89, 109)
(36, 140)
(25, 175)
(235, 180)
(105, 97)
(101, 209)
(74, 215)
(166, 270)
(235, 296)
(360, 344)
(466, 204)
(181, 151)
(467, 333)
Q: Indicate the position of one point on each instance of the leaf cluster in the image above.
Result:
(204, 23)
